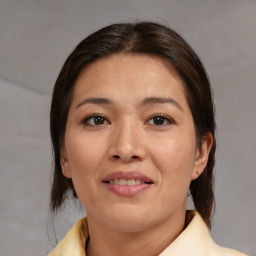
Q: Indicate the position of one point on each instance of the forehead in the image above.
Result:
(125, 74)
(129, 60)
(130, 66)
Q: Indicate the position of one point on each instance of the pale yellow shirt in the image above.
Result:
(195, 240)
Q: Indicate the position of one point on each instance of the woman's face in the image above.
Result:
(130, 145)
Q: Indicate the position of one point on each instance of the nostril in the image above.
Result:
(134, 157)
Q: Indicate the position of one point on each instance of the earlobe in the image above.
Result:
(202, 154)
(65, 164)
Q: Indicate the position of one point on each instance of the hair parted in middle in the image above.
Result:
(146, 38)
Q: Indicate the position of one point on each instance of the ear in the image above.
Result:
(64, 163)
(201, 156)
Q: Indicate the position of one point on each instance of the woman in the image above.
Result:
(133, 132)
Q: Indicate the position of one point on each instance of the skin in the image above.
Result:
(128, 138)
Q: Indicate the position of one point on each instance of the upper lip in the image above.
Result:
(127, 175)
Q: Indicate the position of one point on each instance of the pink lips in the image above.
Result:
(127, 190)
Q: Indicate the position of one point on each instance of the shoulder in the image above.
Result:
(195, 240)
(213, 248)
(73, 243)
(216, 250)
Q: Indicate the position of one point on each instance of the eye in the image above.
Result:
(95, 120)
(160, 120)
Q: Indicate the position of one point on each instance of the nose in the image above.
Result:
(127, 143)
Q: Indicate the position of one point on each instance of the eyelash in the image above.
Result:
(95, 115)
(90, 117)
(165, 117)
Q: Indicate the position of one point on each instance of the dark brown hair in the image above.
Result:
(137, 38)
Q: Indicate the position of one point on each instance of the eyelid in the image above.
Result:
(171, 120)
(85, 119)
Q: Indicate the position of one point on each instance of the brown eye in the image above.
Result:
(95, 120)
(160, 120)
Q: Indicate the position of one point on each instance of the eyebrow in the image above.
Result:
(160, 100)
(145, 102)
(98, 101)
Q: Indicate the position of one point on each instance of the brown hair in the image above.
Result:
(137, 38)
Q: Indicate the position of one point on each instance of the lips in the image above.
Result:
(131, 175)
(127, 183)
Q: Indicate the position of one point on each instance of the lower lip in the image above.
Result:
(127, 190)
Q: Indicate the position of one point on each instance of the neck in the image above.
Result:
(109, 242)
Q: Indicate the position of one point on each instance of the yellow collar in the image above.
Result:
(195, 240)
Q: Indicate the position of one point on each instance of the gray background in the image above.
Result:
(35, 39)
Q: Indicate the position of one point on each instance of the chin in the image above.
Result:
(127, 219)
(129, 224)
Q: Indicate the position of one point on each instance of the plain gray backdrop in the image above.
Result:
(35, 39)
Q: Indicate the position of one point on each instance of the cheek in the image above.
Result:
(84, 154)
(174, 158)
